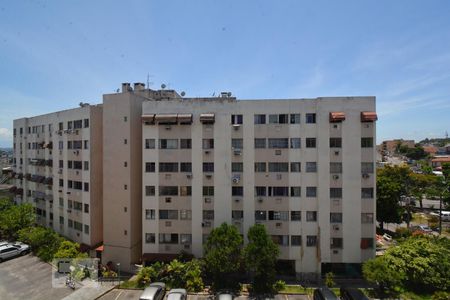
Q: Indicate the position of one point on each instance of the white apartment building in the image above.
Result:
(303, 167)
(151, 173)
(58, 168)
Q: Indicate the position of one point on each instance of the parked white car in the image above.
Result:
(13, 250)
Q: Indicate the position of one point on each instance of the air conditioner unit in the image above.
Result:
(69, 211)
(60, 191)
(187, 246)
(66, 131)
(189, 175)
(336, 227)
(278, 224)
(236, 179)
(236, 126)
(78, 234)
(260, 200)
(335, 251)
(365, 175)
(207, 151)
(237, 151)
(168, 127)
(366, 125)
(207, 200)
(168, 223)
(278, 152)
(237, 200)
(209, 176)
(77, 172)
(336, 152)
(335, 177)
(279, 176)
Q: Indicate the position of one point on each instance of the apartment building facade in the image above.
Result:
(58, 168)
(151, 173)
(304, 168)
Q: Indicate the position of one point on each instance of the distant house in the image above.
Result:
(430, 149)
(437, 162)
(447, 149)
(391, 145)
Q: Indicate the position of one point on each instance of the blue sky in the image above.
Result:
(54, 54)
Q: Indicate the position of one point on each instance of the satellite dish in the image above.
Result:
(163, 86)
(229, 94)
(183, 94)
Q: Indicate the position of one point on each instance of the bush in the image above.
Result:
(44, 242)
(329, 279)
(68, 249)
(440, 295)
(279, 285)
(402, 232)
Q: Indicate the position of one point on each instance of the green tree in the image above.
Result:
(260, 257)
(223, 255)
(14, 218)
(68, 249)
(44, 242)
(380, 272)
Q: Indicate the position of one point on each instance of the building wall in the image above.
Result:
(52, 200)
(351, 205)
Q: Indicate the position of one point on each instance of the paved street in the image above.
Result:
(27, 277)
(117, 294)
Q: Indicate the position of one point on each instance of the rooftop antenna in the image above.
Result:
(148, 80)
(446, 134)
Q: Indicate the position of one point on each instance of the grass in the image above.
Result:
(130, 284)
(295, 289)
(414, 296)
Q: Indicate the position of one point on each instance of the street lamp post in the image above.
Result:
(118, 273)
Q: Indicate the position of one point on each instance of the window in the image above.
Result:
(336, 193)
(149, 190)
(335, 217)
(237, 191)
(150, 238)
(86, 123)
(168, 144)
(237, 144)
(86, 165)
(78, 226)
(367, 218)
(185, 144)
(278, 143)
(149, 167)
(295, 167)
(336, 243)
(260, 119)
(366, 193)
(282, 240)
(69, 164)
(149, 143)
(69, 145)
(186, 238)
(61, 220)
(208, 167)
(186, 167)
(77, 124)
(311, 216)
(185, 190)
(367, 243)
(208, 143)
(70, 223)
(366, 142)
(69, 125)
(86, 208)
(185, 214)
(260, 190)
(168, 238)
(125, 141)
(237, 167)
(77, 205)
(208, 214)
(260, 143)
(311, 241)
(278, 119)
(168, 190)
(236, 119)
(278, 167)
(260, 167)
(60, 145)
(125, 118)
(296, 191)
(311, 191)
(295, 143)
(208, 191)
(77, 165)
(335, 167)
(335, 142)
(61, 182)
(278, 191)
(310, 142)
(296, 215)
(150, 214)
(260, 215)
(61, 202)
(367, 168)
(295, 118)
(86, 186)
(168, 167)
(237, 214)
(310, 118)
(168, 214)
(61, 164)
(278, 215)
(296, 240)
(311, 167)
(60, 127)
(125, 187)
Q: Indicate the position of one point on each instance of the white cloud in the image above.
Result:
(5, 133)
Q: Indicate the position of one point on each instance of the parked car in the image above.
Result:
(422, 228)
(224, 296)
(10, 250)
(23, 247)
(155, 291)
(352, 294)
(387, 237)
(177, 294)
(445, 215)
(324, 293)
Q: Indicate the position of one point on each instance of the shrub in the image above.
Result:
(279, 285)
(440, 295)
(329, 279)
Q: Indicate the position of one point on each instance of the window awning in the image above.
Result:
(166, 118)
(207, 118)
(368, 116)
(148, 118)
(337, 116)
(184, 118)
